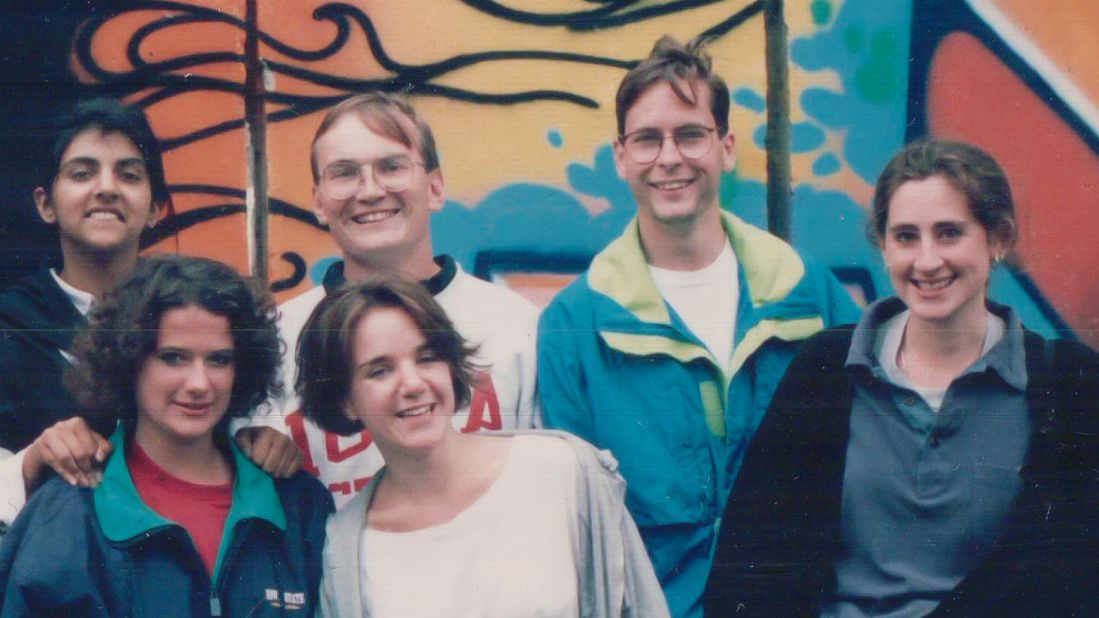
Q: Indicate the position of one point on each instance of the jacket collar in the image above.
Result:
(124, 516)
(638, 320)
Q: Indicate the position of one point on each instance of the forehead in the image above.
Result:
(94, 143)
(352, 137)
(929, 200)
(658, 106)
(384, 331)
(191, 326)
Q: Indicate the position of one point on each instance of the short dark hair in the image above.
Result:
(122, 332)
(385, 114)
(674, 63)
(326, 350)
(109, 116)
(966, 167)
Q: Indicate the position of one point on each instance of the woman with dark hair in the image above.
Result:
(182, 522)
(936, 459)
(527, 524)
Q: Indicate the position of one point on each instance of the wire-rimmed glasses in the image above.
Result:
(342, 179)
(644, 145)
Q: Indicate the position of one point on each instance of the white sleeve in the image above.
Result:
(13, 490)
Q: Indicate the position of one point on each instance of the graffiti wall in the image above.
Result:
(520, 96)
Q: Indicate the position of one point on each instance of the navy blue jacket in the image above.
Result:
(102, 552)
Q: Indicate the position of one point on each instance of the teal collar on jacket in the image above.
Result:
(773, 302)
(123, 516)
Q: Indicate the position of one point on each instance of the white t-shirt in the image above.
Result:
(888, 344)
(511, 553)
(706, 300)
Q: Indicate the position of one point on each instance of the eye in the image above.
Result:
(429, 356)
(391, 165)
(132, 175)
(691, 135)
(341, 172)
(904, 237)
(951, 233)
(645, 138)
(221, 359)
(171, 357)
(377, 372)
(80, 174)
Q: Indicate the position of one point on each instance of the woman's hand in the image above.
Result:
(72, 449)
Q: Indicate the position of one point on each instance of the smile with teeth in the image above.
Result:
(933, 284)
(105, 215)
(672, 185)
(427, 408)
(375, 216)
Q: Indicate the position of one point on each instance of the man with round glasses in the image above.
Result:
(668, 349)
(376, 181)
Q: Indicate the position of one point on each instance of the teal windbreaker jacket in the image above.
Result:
(618, 367)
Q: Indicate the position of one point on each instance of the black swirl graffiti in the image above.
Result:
(150, 82)
(159, 80)
(175, 224)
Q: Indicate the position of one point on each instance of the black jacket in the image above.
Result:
(37, 322)
(781, 531)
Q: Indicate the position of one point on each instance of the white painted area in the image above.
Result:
(1032, 54)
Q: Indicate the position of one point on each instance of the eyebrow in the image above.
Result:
(93, 161)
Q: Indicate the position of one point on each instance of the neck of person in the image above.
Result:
(933, 353)
(199, 461)
(446, 472)
(683, 246)
(417, 263)
(96, 272)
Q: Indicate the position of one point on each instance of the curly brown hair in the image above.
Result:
(122, 332)
(326, 346)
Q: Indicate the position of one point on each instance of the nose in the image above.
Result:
(108, 185)
(198, 382)
(369, 189)
(928, 258)
(669, 154)
(412, 383)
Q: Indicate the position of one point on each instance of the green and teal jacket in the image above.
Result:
(81, 552)
(619, 368)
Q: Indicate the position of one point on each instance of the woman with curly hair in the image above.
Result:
(182, 522)
(457, 524)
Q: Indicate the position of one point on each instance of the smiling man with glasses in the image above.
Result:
(376, 181)
(668, 349)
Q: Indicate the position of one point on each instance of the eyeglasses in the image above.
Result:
(342, 179)
(692, 141)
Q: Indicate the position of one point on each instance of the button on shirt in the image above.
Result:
(926, 494)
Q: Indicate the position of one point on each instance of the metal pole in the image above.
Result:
(255, 121)
(777, 142)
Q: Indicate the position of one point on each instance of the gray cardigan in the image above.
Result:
(616, 577)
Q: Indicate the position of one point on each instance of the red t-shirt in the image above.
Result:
(200, 509)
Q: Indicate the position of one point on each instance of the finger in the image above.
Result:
(58, 457)
(103, 448)
(290, 463)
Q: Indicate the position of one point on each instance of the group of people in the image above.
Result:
(687, 428)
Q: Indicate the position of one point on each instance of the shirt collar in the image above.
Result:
(1007, 358)
(334, 277)
(80, 299)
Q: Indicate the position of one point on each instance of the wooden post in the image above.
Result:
(255, 122)
(777, 142)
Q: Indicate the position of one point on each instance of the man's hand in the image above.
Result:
(72, 449)
(271, 450)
